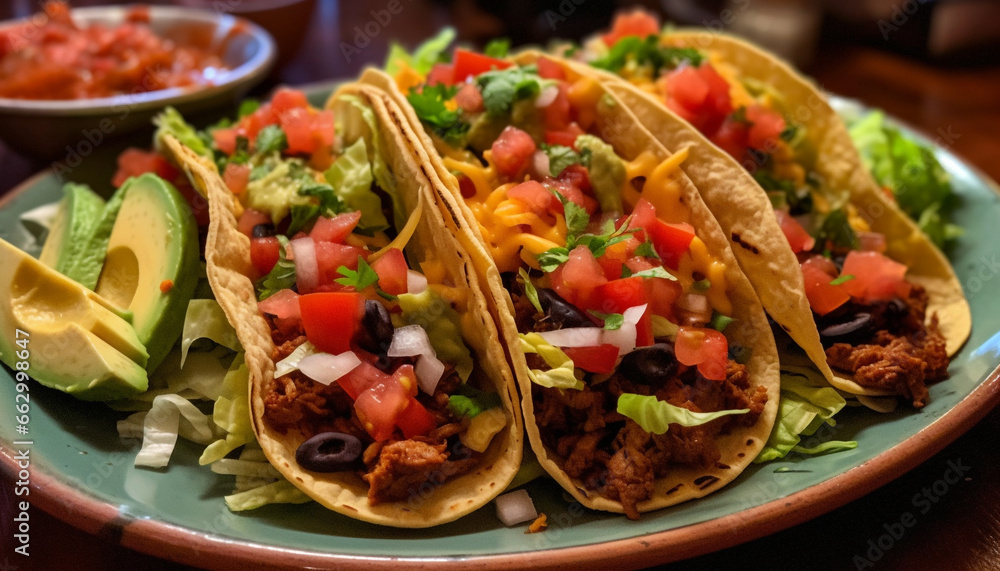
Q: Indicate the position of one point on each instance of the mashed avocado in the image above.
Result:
(442, 323)
(607, 172)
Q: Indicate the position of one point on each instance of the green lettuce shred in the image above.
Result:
(206, 320)
(561, 373)
(379, 168)
(656, 416)
(171, 122)
(423, 58)
(280, 492)
(351, 178)
(443, 325)
(231, 413)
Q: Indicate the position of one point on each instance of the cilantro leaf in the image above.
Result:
(281, 276)
(552, 258)
(305, 215)
(271, 139)
(837, 229)
(647, 51)
(429, 105)
(561, 157)
(612, 321)
(530, 291)
(657, 272)
(359, 279)
(646, 250)
(248, 106)
(501, 88)
(720, 321)
(842, 279)
(497, 48)
(626, 271)
(576, 217)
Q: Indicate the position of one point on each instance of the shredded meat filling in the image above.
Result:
(902, 355)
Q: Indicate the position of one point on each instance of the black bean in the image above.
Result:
(329, 452)
(651, 365)
(263, 230)
(854, 330)
(561, 312)
(375, 333)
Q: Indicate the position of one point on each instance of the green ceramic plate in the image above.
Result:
(82, 472)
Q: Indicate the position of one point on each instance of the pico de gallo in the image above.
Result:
(871, 320)
(368, 350)
(619, 306)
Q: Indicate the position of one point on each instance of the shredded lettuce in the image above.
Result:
(561, 373)
(807, 403)
(424, 57)
(351, 178)
(280, 492)
(291, 362)
(231, 414)
(442, 323)
(171, 122)
(656, 416)
(206, 320)
(482, 428)
(171, 416)
(911, 171)
(379, 168)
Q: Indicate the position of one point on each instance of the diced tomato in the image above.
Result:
(578, 176)
(264, 253)
(671, 241)
(249, 219)
(872, 241)
(470, 64)
(618, 295)
(330, 256)
(732, 138)
(823, 297)
(639, 264)
(236, 177)
(297, 125)
(415, 420)
(615, 256)
(536, 197)
(323, 128)
(566, 187)
(566, 137)
(331, 318)
(575, 280)
(548, 69)
(391, 269)
(361, 378)
(286, 99)
(557, 114)
(643, 216)
(134, 162)
(700, 95)
(225, 139)
(823, 263)
(441, 73)
(512, 150)
(469, 98)
(687, 88)
(335, 229)
(798, 238)
(662, 294)
(379, 407)
(876, 277)
(766, 129)
(635, 23)
(282, 305)
(706, 348)
(600, 359)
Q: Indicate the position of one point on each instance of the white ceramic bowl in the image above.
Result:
(48, 129)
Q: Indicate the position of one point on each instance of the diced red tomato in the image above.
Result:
(575, 280)
(578, 176)
(823, 297)
(732, 138)
(330, 256)
(699, 95)
(662, 294)
(643, 216)
(536, 197)
(331, 318)
(798, 238)
(600, 359)
(225, 139)
(766, 129)
(706, 348)
(415, 420)
(441, 73)
(286, 99)
(566, 187)
(872, 241)
(297, 125)
(557, 114)
(264, 253)
(823, 263)
(335, 229)
(251, 218)
(635, 23)
(282, 305)
(470, 64)
(548, 69)
(380, 406)
(618, 295)
(361, 378)
(512, 150)
(391, 269)
(134, 162)
(671, 241)
(876, 277)
(615, 257)
(469, 98)
(566, 137)
(236, 177)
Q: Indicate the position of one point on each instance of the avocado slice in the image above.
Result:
(75, 340)
(78, 212)
(151, 266)
(86, 266)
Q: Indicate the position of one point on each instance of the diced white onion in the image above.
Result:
(416, 282)
(539, 165)
(547, 96)
(412, 341)
(515, 507)
(306, 266)
(573, 337)
(325, 368)
(624, 337)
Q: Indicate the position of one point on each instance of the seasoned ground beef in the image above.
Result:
(397, 469)
(900, 353)
(615, 456)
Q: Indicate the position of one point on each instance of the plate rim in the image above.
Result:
(188, 546)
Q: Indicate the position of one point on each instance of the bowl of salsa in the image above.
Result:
(71, 80)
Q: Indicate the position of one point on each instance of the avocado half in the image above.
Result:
(79, 212)
(151, 266)
(64, 335)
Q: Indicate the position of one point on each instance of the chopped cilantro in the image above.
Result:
(784, 192)
(361, 278)
(657, 272)
(247, 107)
(842, 279)
(612, 321)
(789, 133)
(740, 115)
(646, 250)
(836, 229)
(530, 291)
(281, 276)
(561, 157)
(305, 215)
(576, 221)
(647, 51)
(502, 87)
(271, 139)
(498, 48)
(626, 271)
(720, 321)
(429, 105)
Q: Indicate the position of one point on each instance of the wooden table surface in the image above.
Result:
(960, 107)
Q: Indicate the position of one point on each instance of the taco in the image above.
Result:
(868, 297)
(378, 385)
(647, 371)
